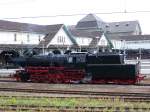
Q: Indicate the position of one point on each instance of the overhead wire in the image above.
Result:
(79, 14)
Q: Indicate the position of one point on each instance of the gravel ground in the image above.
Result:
(4, 93)
(144, 88)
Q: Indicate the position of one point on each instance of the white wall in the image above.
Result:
(21, 38)
(116, 44)
(83, 41)
(103, 41)
(61, 38)
(145, 44)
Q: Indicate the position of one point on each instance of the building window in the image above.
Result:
(28, 38)
(61, 39)
(82, 41)
(39, 38)
(15, 37)
(58, 39)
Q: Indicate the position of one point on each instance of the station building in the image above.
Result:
(90, 33)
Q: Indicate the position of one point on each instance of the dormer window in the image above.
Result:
(107, 25)
(127, 24)
(117, 24)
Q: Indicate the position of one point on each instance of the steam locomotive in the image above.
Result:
(80, 67)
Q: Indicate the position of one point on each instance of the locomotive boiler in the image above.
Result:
(78, 67)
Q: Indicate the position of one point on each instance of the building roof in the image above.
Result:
(16, 46)
(87, 34)
(81, 33)
(95, 40)
(91, 17)
(123, 26)
(26, 27)
(90, 21)
(52, 33)
(49, 36)
(132, 37)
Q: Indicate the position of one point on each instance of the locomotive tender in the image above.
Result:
(78, 68)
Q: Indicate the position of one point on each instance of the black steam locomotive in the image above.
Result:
(78, 67)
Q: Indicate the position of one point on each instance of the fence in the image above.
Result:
(144, 65)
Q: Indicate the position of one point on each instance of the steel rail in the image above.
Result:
(70, 108)
(76, 92)
(124, 99)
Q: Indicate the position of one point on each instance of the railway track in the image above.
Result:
(132, 97)
(73, 109)
(75, 92)
(125, 99)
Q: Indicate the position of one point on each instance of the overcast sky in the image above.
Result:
(34, 8)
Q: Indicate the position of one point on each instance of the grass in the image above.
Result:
(70, 102)
(89, 102)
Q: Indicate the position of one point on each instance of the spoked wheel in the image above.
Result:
(24, 76)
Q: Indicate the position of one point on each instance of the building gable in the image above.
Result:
(103, 41)
(60, 38)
